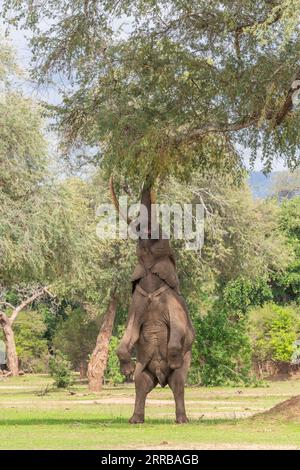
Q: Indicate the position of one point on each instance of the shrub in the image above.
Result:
(273, 332)
(60, 370)
(222, 352)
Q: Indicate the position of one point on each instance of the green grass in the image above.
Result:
(81, 420)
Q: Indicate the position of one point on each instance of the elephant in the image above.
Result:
(158, 326)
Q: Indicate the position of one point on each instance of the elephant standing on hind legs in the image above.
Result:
(158, 326)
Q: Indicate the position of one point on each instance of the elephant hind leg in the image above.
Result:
(144, 383)
(177, 322)
(176, 382)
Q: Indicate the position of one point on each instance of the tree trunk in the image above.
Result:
(98, 361)
(83, 369)
(11, 352)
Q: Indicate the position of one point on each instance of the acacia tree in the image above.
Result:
(179, 88)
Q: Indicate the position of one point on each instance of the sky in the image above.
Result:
(50, 94)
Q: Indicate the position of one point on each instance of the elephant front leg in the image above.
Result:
(126, 364)
(130, 336)
(144, 383)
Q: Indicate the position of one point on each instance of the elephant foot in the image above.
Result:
(175, 359)
(127, 368)
(182, 419)
(136, 419)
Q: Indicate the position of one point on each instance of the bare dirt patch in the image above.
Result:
(225, 446)
(287, 410)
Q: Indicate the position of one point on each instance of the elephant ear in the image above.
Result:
(138, 273)
(172, 258)
(165, 269)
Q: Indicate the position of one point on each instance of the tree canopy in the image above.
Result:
(165, 85)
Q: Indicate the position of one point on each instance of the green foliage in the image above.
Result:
(76, 337)
(112, 373)
(52, 314)
(273, 332)
(179, 89)
(32, 348)
(287, 283)
(222, 350)
(242, 293)
(60, 370)
(8, 66)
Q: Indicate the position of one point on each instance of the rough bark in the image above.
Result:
(9, 338)
(98, 361)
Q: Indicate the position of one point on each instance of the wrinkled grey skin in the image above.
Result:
(158, 327)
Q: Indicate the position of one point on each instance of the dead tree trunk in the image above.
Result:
(9, 339)
(98, 361)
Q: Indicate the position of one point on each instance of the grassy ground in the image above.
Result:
(220, 417)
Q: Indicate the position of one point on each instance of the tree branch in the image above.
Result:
(200, 17)
(288, 102)
(277, 117)
(26, 302)
(198, 134)
(268, 21)
(7, 304)
(3, 319)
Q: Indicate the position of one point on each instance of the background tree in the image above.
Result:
(7, 322)
(286, 285)
(286, 185)
(47, 226)
(100, 267)
(31, 344)
(242, 236)
(76, 337)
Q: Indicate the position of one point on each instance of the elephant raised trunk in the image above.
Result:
(158, 325)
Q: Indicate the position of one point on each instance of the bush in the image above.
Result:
(222, 352)
(60, 370)
(273, 332)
